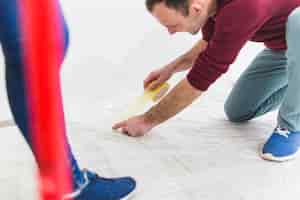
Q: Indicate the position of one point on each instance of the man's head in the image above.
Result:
(182, 15)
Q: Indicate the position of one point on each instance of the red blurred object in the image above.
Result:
(42, 33)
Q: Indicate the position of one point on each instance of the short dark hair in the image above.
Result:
(179, 5)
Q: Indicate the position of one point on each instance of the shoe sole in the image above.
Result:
(130, 196)
(270, 157)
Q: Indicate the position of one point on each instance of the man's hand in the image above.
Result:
(158, 77)
(182, 63)
(136, 126)
(182, 95)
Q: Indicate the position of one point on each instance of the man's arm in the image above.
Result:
(182, 63)
(187, 60)
(182, 95)
(179, 98)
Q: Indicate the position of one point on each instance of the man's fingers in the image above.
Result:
(150, 78)
(119, 125)
(155, 84)
(125, 130)
(147, 82)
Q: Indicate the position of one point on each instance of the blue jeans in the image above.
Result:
(10, 38)
(271, 81)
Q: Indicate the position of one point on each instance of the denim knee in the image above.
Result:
(237, 115)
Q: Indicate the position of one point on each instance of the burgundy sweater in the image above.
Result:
(235, 23)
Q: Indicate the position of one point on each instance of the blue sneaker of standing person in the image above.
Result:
(99, 188)
(283, 145)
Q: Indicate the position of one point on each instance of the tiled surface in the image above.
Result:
(196, 155)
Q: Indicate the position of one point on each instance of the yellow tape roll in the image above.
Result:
(157, 93)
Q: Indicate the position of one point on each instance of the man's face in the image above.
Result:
(175, 21)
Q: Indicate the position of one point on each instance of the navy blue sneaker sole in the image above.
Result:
(130, 196)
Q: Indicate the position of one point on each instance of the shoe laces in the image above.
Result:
(92, 176)
(282, 131)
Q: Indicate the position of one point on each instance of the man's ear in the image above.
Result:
(196, 7)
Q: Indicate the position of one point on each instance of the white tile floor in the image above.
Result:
(198, 155)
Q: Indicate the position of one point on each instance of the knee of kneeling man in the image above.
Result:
(233, 115)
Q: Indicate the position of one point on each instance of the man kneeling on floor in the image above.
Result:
(270, 82)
